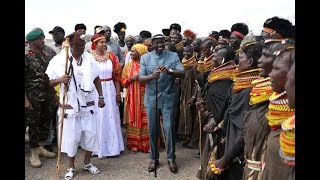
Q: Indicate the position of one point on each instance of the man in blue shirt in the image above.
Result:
(162, 66)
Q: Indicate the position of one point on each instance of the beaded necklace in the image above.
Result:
(279, 110)
(261, 91)
(244, 79)
(100, 58)
(187, 63)
(224, 71)
(206, 64)
(197, 56)
(287, 141)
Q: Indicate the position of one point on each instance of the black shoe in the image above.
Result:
(173, 166)
(152, 165)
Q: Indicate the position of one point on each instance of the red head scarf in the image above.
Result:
(239, 34)
(95, 39)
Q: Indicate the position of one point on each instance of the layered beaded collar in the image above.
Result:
(100, 58)
(287, 141)
(206, 64)
(189, 62)
(279, 111)
(261, 91)
(224, 71)
(244, 79)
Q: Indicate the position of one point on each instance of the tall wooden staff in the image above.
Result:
(199, 116)
(198, 93)
(66, 45)
(163, 135)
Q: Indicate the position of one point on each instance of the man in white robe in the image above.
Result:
(80, 119)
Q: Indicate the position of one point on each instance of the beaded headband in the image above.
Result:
(247, 45)
(269, 41)
(268, 30)
(279, 52)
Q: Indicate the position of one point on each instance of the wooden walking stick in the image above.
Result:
(163, 135)
(199, 117)
(198, 89)
(66, 45)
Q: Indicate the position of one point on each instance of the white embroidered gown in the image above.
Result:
(108, 127)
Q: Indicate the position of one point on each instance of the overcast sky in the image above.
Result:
(201, 16)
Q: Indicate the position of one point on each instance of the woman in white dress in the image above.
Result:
(109, 129)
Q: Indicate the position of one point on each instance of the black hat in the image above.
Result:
(80, 26)
(119, 27)
(145, 34)
(166, 32)
(57, 29)
(175, 26)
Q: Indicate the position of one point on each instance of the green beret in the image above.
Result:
(34, 34)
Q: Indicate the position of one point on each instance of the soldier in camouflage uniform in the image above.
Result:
(39, 96)
(49, 54)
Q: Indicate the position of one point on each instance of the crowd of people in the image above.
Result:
(230, 95)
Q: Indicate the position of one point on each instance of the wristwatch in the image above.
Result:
(170, 71)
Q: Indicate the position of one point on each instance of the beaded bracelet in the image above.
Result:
(215, 170)
(101, 97)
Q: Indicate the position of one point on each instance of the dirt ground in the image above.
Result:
(126, 166)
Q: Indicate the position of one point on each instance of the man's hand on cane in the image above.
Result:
(156, 73)
(64, 79)
(163, 69)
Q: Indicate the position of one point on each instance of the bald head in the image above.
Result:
(106, 32)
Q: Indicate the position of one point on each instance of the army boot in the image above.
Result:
(44, 153)
(34, 158)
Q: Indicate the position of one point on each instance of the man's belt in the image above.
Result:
(67, 106)
(108, 79)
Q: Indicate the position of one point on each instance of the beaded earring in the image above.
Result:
(222, 61)
(211, 49)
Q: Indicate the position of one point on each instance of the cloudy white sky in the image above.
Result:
(201, 16)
